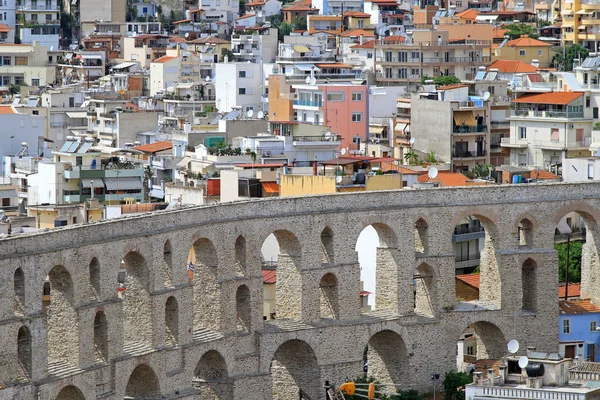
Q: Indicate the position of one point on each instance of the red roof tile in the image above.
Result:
(7, 110)
(526, 42)
(357, 33)
(154, 147)
(394, 39)
(512, 66)
(469, 279)
(269, 276)
(574, 290)
(469, 14)
(555, 98)
(367, 45)
(578, 306)
(164, 59)
(259, 165)
(356, 14)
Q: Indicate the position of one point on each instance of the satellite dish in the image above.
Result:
(250, 113)
(260, 115)
(433, 173)
(486, 96)
(122, 91)
(411, 141)
(338, 179)
(313, 81)
(523, 361)
(207, 79)
(187, 35)
(327, 135)
(513, 346)
(51, 48)
(307, 80)
(343, 151)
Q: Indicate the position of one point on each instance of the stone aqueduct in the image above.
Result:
(168, 338)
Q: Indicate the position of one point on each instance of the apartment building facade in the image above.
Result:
(581, 23)
(25, 64)
(256, 45)
(38, 21)
(239, 85)
(8, 15)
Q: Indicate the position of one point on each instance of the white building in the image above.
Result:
(220, 10)
(259, 46)
(38, 22)
(25, 64)
(334, 7)
(238, 85)
(8, 17)
(20, 128)
(263, 8)
(245, 21)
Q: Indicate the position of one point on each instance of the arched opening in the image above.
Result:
(377, 250)
(294, 368)
(327, 246)
(476, 267)
(63, 331)
(329, 300)
(243, 308)
(168, 259)
(24, 353)
(421, 241)
(525, 233)
(529, 285)
(207, 293)
(479, 341)
(137, 305)
(100, 338)
(240, 255)
(94, 279)
(387, 359)
(575, 240)
(142, 384)
(211, 377)
(424, 283)
(19, 291)
(70, 393)
(171, 322)
(281, 251)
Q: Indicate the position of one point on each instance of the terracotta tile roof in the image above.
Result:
(302, 5)
(469, 279)
(269, 276)
(250, 165)
(446, 179)
(245, 16)
(512, 67)
(364, 293)
(196, 10)
(357, 33)
(555, 98)
(469, 14)
(209, 40)
(394, 39)
(334, 65)
(366, 45)
(541, 174)
(578, 306)
(325, 17)
(270, 187)
(164, 59)
(574, 290)
(356, 14)
(383, 2)
(154, 147)
(181, 21)
(499, 33)
(527, 42)
(450, 87)
(176, 39)
(7, 110)
(255, 3)
(4, 28)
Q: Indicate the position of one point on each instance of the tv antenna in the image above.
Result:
(433, 173)
(513, 346)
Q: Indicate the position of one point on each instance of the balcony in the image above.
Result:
(320, 76)
(87, 172)
(306, 59)
(561, 145)
(464, 232)
(308, 103)
(500, 124)
(399, 77)
(313, 139)
(108, 115)
(469, 130)
(514, 142)
(440, 43)
(546, 114)
(468, 154)
(38, 7)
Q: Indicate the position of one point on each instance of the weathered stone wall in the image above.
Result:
(205, 338)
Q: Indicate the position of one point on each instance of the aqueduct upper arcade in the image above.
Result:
(171, 334)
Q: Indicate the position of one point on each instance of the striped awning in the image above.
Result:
(126, 183)
(8, 194)
(87, 183)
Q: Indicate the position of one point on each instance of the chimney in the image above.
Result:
(534, 383)
(490, 375)
(530, 349)
(226, 59)
(478, 378)
(502, 369)
(360, 39)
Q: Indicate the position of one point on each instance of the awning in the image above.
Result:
(127, 183)
(123, 65)
(157, 193)
(301, 49)
(87, 183)
(581, 27)
(566, 12)
(486, 17)
(184, 162)
(91, 56)
(77, 114)
(375, 129)
(306, 67)
(464, 118)
(8, 194)
(270, 187)
(584, 12)
(400, 127)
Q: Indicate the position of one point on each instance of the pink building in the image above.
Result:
(342, 107)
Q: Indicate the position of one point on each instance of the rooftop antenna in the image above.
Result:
(486, 96)
(313, 81)
(513, 346)
(523, 361)
(433, 173)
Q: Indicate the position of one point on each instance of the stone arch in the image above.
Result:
(387, 358)
(525, 233)
(425, 293)
(19, 291)
(207, 292)
(469, 231)
(211, 377)
(171, 322)
(70, 393)
(137, 305)
(329, 297)
(243, 306)
(62, 321)
(168, 266)
(94, 279)
(294, 367)
(529, 285)
(100, 338)
(421, 236)
(143, 384)
(486, 341)
(24, 352)
(241, 255)
(379, 260)
(327, 246)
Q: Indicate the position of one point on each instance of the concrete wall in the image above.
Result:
(431, 126)
(189, 195)
(384, 182)
(298, 185)
(194, 338)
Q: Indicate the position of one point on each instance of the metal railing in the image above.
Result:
(469, 154)
(306, 58)
(469, 129)
(546, 114)
(410, 77)
(467, 43)
(308, 103)
(498, 124)
(467, 257)
(332, 138)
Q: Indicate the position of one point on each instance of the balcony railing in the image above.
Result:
(500, 124)
(469, 129)
(467, 257)
(42, 7)
(308, 103)
(545, 114)
(405, 77)
(468, 43)
(332, 138)
(306, 58)
(468, 154)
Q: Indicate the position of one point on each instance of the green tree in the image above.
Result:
(242, 7)
(276, 20)
(564, 57)
(148, 175)
(284, 30)
(411, 158)
(454, 385)
(299, 23)
(574, 261)
(515, 31)
(227, 53)
(441, 80)
(480, 171)
(431, 157)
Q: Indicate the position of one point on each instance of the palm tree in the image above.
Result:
(411, 157)
(148, 176)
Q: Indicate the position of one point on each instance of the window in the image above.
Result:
(134, 57)
(369, 55)
(588, 101)
(591, 176)
(20, 60)
(521, 52)
(522, 132)
(357, 96)
(459, 4)
(242, 90)
(566, 328)
(540, 52)
(593, 326)
(6, 60)
(335, 96)
(470, 351)
(357, 117)
(147, 56)
(414, 71)
(595, 112)
(19, 80)
(35, 112)
(35, 82)
(554, 135)
(48, 17)
(361, 23)
(241, 74)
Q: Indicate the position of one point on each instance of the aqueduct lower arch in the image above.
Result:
(197, 345)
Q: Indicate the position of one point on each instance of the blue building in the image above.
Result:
(578, 329)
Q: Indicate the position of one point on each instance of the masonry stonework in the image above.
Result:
(171, 337)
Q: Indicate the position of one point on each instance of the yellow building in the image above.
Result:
(525, 49)
(56, 215)
(302, 185)
(581, 23)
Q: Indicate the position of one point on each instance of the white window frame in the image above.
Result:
(357, 117)
(593, 326)
(357, 96)
(566, 326)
